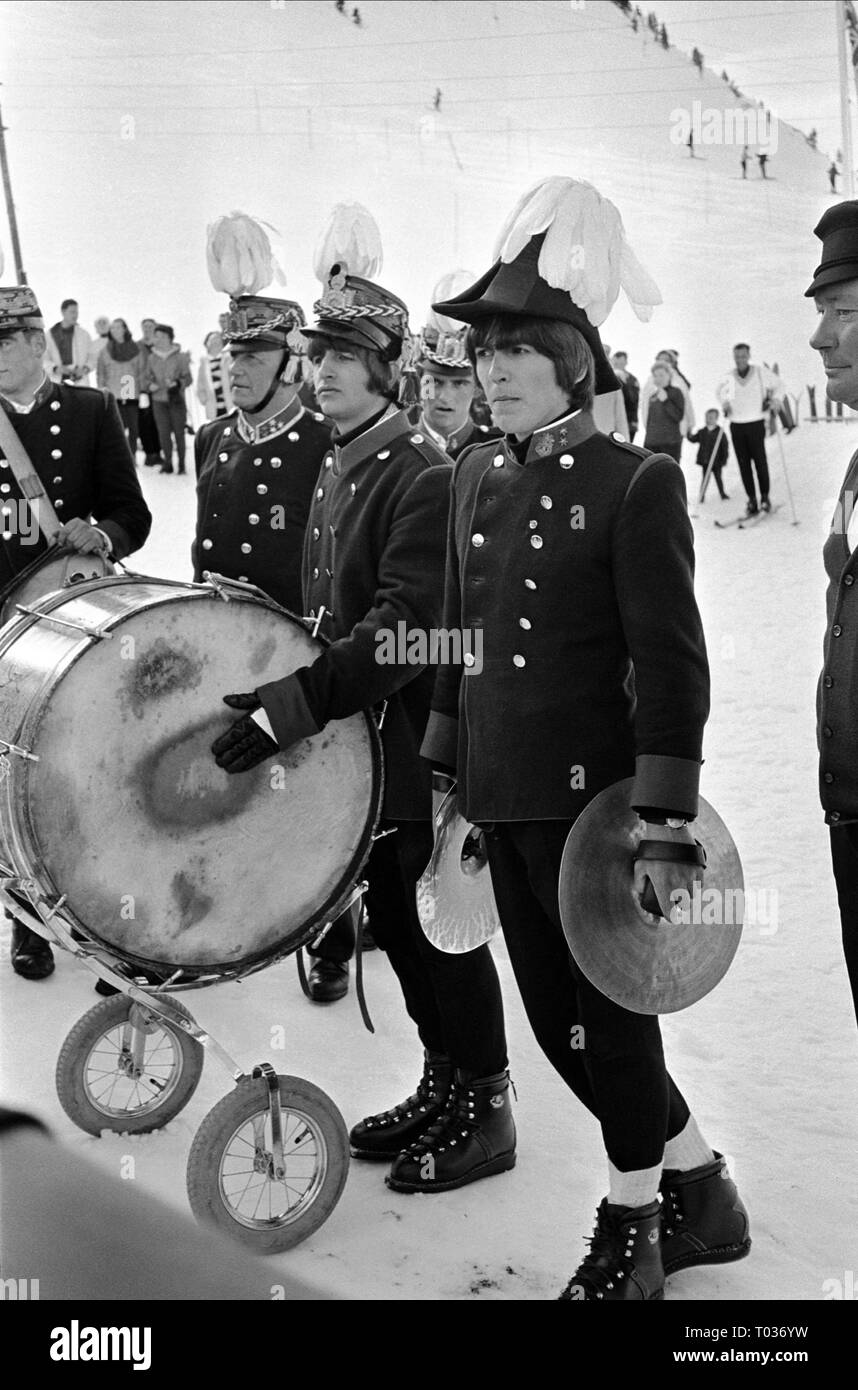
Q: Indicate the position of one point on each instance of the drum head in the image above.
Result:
(160, 853)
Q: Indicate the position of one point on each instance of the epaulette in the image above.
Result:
(428, 450)
(622, 443)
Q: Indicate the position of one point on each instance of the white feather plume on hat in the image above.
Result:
(447, 288)
(352, 239)
(585, 251)
(239, 255)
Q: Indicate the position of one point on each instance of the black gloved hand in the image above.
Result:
(244, 745)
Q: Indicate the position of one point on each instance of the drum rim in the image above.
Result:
(21, 834)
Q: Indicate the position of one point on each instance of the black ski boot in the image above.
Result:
(385, 1135)
(704, 1220)
(752, 509)
(472, 1139)
(624, 1263)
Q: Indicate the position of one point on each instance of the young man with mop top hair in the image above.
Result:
(573, 552)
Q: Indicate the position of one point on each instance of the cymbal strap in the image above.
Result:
(28, 480)
(673, 852)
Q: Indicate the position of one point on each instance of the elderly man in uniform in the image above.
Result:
(75, 441)
(573, 553)
(256, 471)
(374, 559)
(834, 290)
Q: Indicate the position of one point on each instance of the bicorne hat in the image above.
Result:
(837, 229)
(561, 254)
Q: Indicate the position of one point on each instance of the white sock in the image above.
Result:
(688, 1150)
(634, 1189)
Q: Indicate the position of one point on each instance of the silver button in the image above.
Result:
(58, 502)
(498, 461)
(536, 542)
(227, 432)
(546, 502)
(55, 429)
(383, 454)
(469, 658)
(519, 661)
(56, 453)
(253, 519)
(4, 487)
(525, 623)
(58, 479)
(315, 574)
(320, 492)
(7, 535)
(533, 525)
(246, 548)
(207, 545)
(4, 463)
(257, 463)
(261, 488)
(275, 463)
(293, 436)
(416, 439)
(5, 511)
(530, 583)
(223, 457)
(243, 578)
(55, 405)
(620, 438)
(477, 539)
(566, 460)
(316, 533)
(328, 462)
(354, 489)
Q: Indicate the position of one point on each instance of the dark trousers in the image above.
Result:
(844, 857)
(129, 415)
(619, 1072)
(455, 1001)
(149, 441)
(716, 474)
(170, 419)
(749, 442)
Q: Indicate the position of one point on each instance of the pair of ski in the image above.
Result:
(745, 522)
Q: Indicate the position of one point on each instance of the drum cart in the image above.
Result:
(270, 1160)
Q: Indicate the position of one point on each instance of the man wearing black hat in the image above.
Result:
(76, 444)
(447, 381)
(573, 555)
(834, 290)
(256, 470)
(373, 567)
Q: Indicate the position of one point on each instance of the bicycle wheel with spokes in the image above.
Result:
(232, 1180)
(123, 1068)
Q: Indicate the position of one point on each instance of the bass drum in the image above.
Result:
(56, 569)
(116, 688)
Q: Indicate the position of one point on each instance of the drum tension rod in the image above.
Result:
(93, 632)
(8, 747)
(278, 1163)
(216, 582)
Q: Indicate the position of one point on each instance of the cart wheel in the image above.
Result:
(103, 1085)
(230, 1167)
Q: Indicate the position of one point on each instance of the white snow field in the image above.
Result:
(769, 1061)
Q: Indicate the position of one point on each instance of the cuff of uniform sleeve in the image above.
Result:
(441, 740)
(120, 541)
(286, 706)
(661, 781)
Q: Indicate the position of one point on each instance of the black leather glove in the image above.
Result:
(244, 745)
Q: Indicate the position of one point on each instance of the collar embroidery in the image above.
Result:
(270, 428)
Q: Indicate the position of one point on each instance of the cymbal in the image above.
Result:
(648, 969)
(455, 901)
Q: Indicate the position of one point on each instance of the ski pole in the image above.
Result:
(711, 464)
(785, 472)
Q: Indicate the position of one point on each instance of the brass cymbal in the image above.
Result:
(455, 901)
(648, 969)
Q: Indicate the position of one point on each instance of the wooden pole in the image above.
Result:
(845, 108)
(10, 208)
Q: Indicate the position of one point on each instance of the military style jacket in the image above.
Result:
(837, 696)
(253, 500)
(374, 560)
(76, 443)
(571, 575)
